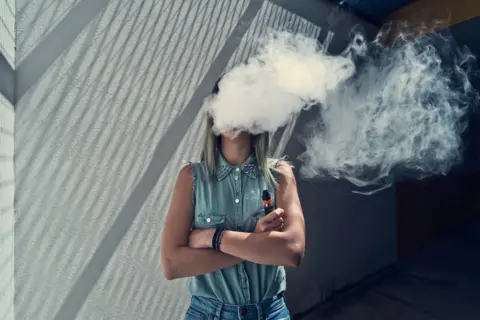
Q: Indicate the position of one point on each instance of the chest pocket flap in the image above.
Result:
(206, 220)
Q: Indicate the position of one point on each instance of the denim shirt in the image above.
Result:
(233, 200)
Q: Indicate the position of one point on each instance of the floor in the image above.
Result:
(441, 283)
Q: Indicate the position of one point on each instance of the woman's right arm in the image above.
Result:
(178, 259)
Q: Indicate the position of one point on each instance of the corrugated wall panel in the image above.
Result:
(7, 186)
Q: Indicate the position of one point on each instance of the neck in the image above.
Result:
(236, 151)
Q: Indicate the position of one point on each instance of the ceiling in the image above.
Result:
(374, 10)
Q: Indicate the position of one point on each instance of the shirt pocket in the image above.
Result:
(207, 220)
(251, 221)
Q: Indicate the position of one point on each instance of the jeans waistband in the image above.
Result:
(261, 308)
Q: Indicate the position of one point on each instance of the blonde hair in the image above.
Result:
(260, 144)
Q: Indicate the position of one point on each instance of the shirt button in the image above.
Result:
(209, 220)
(237, 200)
(238, 169)
(235, 177)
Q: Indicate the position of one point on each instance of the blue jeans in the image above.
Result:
(209, 309)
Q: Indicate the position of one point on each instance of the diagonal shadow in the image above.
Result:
(76, 70)
(7, 33)
(137, 76)
(7, 79)
(177, 71)
(180, 75)
(42, 232)
(165, 148)
(22, 249)
(41, 58)
(326, 14)
(109, 115)
(116, 54)
(215, 28)
(46, 256)
(29, 30)
(51, 8)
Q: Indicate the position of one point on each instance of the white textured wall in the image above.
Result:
(86, 133)
(270, 17)
(7, 184)
(7, 30)
(36, 18)
(6, 210)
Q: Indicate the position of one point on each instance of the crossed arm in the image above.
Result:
(285, 247)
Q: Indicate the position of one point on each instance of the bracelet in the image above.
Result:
(216, 238)
(219, 239)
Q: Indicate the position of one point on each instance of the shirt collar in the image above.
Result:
(249, 167)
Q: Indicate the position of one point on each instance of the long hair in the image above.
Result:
(260, 145)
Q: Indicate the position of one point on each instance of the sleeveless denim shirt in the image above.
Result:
(233, 200)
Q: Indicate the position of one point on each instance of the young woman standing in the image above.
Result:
(217, 233)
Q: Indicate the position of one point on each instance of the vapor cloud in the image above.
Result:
(384, 111)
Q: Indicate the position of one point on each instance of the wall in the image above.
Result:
(6, 209)
(109, 94)
(7, 49)
(7, 181)
(349, 237)
(7, 30)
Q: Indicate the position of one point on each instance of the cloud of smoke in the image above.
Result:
(402, 112)
(383, 110)
(289, 73)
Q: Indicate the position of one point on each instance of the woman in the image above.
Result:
(217, 203)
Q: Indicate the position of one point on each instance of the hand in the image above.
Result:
(201, 238)
(271, 222)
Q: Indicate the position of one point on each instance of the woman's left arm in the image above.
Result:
(286, 247)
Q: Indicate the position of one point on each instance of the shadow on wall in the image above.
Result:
(95, 134)
(107, 114)
(7, 31)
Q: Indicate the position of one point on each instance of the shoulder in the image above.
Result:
(285, 172)
(283, 164)
(186, 171)
(194, 170)
(185, 175)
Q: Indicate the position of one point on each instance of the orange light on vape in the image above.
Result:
(267, 202)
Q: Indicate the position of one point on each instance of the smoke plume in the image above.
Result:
(384, 110)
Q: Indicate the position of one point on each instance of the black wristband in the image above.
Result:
(216, 239)
(219, 239)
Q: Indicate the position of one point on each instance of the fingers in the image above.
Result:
(271, 222)
(277, 228)
(275, 225)
(275, 214)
